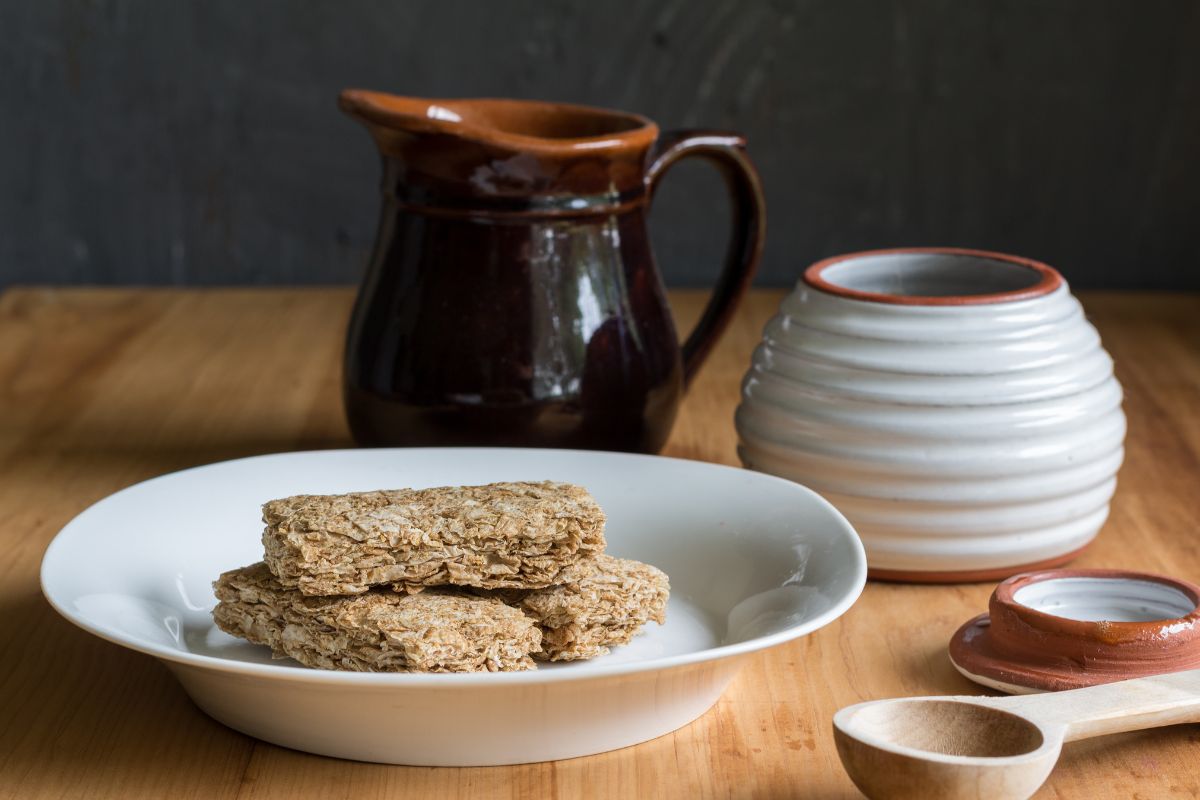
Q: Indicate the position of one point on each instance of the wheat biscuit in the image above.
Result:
(502, 535)
(379, 631)
(607, 606)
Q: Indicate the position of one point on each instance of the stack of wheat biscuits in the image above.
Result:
(452, 579)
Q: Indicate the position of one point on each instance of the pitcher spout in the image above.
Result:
(528, 154)
(413, 115)
(527, 124)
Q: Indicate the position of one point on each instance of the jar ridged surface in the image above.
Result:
(956, 438)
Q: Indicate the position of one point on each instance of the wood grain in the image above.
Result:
(102, 388)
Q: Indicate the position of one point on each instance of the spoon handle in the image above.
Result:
(1113, 707)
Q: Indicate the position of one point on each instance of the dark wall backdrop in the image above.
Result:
(162, 142)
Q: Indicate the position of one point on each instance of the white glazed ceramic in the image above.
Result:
(753, 561)
(955, 405)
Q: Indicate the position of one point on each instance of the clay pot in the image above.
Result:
(955, 405)
(1064, 629)
(512, 296)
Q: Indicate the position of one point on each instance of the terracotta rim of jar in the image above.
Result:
(1018, 645)
(1048, 280)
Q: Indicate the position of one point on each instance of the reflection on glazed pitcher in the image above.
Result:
(512, 296)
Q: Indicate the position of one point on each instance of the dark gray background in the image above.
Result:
(158, 142)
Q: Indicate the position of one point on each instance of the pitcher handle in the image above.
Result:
(726, 151)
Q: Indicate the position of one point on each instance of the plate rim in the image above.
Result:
(428, 680)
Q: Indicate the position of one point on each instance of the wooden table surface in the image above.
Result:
(103, 388)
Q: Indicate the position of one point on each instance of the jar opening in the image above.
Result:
(933, 276)
(1106, 599)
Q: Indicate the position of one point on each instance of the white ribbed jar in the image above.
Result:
(955, 405)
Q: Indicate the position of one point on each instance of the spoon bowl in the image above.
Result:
(943, 747)
(995, 747)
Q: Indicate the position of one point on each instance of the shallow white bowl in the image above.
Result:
(754, 561)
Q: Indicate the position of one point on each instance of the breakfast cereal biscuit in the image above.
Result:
(606, 606)
(502, 535)
(379, 631)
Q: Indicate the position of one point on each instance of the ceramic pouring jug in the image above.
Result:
(512, 296)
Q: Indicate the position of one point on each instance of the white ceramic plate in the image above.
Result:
(753, 561)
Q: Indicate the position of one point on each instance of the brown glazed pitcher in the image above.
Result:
(512, 297)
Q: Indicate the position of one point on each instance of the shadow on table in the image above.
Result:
(81, 714)
(940, 670)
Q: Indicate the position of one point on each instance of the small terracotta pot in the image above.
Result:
(1065, 629)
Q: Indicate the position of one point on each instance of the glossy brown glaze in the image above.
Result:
(512, 296)
(1022, 646)
(1046, 278)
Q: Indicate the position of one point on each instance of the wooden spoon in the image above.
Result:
(995, 747)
